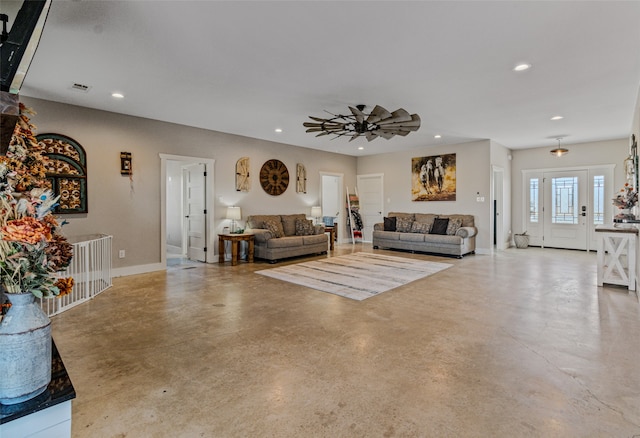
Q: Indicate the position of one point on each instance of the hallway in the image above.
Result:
(517, 344)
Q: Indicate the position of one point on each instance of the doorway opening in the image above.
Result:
(331, 196)
(187, 206)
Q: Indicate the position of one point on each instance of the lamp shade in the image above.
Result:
(316, 211)
(234, 213)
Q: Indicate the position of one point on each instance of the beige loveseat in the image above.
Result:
(417, 232)
(287, 235)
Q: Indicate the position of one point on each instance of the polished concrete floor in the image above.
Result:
(518, 344)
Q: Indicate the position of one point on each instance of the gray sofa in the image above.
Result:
(414, 232)
(283, 236)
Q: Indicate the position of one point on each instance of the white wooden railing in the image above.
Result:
(90, 269)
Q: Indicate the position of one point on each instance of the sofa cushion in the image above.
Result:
(454, 225)
(412, 237)
(389, 223)
(315, 238)
(286, 242)
(442, 239)
(440, 225)
(419, 227)
(402, 215)
(467, 219)
(426, 218)
(403, 224)
(257, 221)
(275, 227)
(304, 227)
(387, 235)
(289, 223)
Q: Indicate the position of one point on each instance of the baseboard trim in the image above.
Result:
(138, 269)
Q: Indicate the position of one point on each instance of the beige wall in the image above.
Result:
(130, 210)
(473, 174)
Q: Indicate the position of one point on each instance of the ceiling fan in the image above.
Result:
(378, 123)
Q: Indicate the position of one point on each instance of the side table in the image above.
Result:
(234, 239)
(617, 255)
(333, 234)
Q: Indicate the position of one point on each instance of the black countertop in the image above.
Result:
(60, 390)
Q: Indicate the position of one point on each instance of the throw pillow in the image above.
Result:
(403, 225)
(419, 227)
(304, 227)
(389, 223)
(454, 225)
(440, 226)
(275, 227)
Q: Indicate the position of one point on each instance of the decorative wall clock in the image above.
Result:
(243, 182)
(301, 178)
(274, 177)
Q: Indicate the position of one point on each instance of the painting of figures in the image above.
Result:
(433, 178)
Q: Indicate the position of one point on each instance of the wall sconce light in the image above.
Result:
(559, 151)
(234, 214)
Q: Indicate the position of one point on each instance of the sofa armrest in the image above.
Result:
(260, 235)
(318, 229)
(378, 227)
(465, 232)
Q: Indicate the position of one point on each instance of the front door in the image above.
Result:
(565, 209)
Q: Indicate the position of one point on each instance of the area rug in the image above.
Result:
(357, 276)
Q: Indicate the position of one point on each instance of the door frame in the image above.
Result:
(209, 204)
(497, 208)
(609, 190)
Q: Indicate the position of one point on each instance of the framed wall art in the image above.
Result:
(243, 179)
(433, 178)
(301, 178)
(66, 172)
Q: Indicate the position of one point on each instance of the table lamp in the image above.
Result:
(316, 212)
(234, 214)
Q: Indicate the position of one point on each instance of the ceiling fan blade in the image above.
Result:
(397, 116)
(318, 119)
(371, 135)
(358, 114)
(323, 133)
(354, 136)
(384, 134)
(311, 124)
(378, 114)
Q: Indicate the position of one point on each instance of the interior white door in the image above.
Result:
(195, 211)
(370, 191)
(565, 209)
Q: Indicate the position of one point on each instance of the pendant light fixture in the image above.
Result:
(559, 151)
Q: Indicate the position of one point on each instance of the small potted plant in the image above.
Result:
(521, 240)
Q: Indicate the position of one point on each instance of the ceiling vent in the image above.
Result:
(80, 87)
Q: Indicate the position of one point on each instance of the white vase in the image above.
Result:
(25, 350)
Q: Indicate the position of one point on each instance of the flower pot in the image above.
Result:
(25, 350)
(521, 240)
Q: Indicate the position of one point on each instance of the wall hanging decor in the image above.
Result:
(243, 181)
(126, 164)
(66, 172)
(274, 177)
(301, 178)
(433, 178)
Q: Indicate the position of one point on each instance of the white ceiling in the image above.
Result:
(248, 67)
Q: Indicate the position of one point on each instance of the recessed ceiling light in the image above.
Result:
(557, 118)
(437, 136)
(522, 67)
(278, 130)
(361, 148)
(117, 95)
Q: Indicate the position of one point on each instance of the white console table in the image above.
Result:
(617, 254)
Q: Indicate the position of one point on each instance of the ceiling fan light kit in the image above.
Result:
(378, 123)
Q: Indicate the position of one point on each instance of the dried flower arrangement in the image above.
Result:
(625, 200)
(32, 250)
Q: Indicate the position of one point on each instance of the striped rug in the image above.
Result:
(357, 276)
